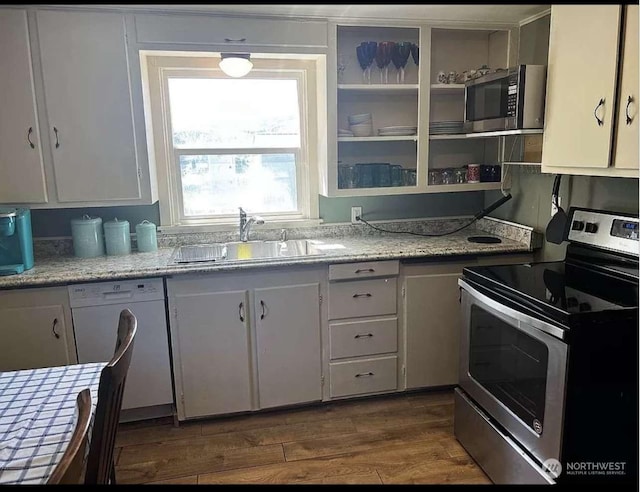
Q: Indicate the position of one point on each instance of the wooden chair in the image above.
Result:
(70, 469)
(100, 466)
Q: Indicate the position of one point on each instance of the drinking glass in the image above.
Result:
(399, 57)
(366, 53)
(415, 53)
(342, 66)
(363, 60)
(383, 58)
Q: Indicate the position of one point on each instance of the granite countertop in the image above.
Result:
(63, 269)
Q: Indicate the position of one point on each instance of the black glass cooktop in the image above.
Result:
(558, 289)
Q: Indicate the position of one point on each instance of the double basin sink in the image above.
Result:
(238, 251)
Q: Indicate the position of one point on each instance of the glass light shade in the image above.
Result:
(235, 65)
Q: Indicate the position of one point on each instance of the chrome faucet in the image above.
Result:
(245, 225)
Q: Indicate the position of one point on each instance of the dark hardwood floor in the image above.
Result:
(404, 438)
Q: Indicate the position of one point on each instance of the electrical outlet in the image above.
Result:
(554, 209)
(355, 212)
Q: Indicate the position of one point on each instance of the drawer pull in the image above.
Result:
(364, 374)
(355, 296)
(241, 312)
(366, 270)
(262, 306)
(368, 335)
(238, 40)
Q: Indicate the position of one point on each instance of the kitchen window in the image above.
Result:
(222, 143)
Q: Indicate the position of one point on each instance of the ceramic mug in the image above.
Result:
(442, 77)
(451, 79)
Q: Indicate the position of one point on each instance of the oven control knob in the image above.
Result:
(584, 306)
(591, 227)
(577, 225)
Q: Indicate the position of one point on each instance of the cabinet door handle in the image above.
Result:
(241, 311)
(53, 328)
(367, 335)
(31, 143)
(595, 112)
(355, 296)
(55, 130)
(626, 111)
(239, 40)
(364, 374)
(368, 270)
(262, 306)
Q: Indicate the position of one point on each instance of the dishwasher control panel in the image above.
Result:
(124, 291)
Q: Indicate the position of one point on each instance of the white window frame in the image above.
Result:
(158, 70)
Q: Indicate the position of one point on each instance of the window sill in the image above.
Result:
(268, 225)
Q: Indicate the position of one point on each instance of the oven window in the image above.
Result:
(487, 101)
(509, 364)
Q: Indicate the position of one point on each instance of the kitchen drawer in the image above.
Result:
(230, 31)
(369, 337)
(364, 269)
(364, 376)
(370, 297)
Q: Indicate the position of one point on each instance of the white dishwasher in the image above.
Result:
(96, 309)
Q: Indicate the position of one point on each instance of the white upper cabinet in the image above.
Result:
(209, 30)
(21, 168)
(582, 113)
(626, 140)
(89, 106)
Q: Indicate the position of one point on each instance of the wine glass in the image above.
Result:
(415, 53)
(383, 58)
(363, 60)
(342, 65)
(399, 57)
(371, 48)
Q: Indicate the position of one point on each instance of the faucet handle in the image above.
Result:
(242, 212)
(283, 235)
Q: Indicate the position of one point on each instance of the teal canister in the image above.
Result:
(117, 237)
(88, 241)
(146, 236)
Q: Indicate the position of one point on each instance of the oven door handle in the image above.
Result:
(501, 308)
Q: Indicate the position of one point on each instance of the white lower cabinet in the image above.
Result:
(363, 329)
(36, 329)
(432, 318)
(245, 341)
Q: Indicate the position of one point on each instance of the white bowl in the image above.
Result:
(356, 119)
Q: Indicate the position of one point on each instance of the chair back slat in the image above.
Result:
(70, 469)
(110, 391)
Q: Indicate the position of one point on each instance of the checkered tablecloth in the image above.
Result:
(37, 418)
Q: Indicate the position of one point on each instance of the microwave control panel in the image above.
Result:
(512, 95)
(605, 230)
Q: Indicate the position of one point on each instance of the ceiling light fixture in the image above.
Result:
(235, 64)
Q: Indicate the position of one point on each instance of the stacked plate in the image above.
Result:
(446, 127)
(344, 133)
(392, 131)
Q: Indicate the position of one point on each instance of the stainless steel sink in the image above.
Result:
(250, 250)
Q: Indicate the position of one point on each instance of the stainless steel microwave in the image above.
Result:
(511, 99)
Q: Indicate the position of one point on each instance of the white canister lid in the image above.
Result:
(86, 220)
(116, 224)
(146, 225)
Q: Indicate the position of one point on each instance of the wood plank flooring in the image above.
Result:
(393, 439)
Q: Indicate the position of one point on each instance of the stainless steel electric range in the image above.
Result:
(549, 360)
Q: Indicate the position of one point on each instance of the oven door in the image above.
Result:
(515, 370)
